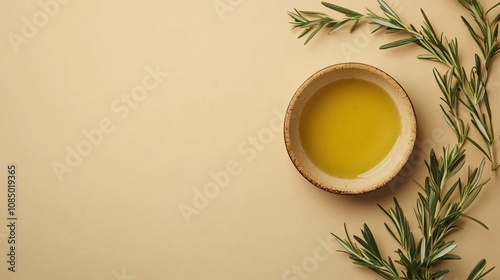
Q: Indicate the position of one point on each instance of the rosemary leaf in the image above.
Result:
(399, 43)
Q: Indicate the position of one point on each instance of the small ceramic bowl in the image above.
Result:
(386, 169)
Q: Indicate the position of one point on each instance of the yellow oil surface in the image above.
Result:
(349, 126)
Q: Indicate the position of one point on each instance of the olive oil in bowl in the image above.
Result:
(349, 126)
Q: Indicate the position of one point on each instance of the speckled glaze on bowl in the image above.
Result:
(383, 172)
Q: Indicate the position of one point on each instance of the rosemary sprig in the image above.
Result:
(438, 212)
(444, 197)
(471, 89)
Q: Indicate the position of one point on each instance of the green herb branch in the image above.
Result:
(471, 89)
(444, 197)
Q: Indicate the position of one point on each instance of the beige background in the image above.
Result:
(115, 213)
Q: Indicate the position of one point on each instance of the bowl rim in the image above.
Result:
(328, 70)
